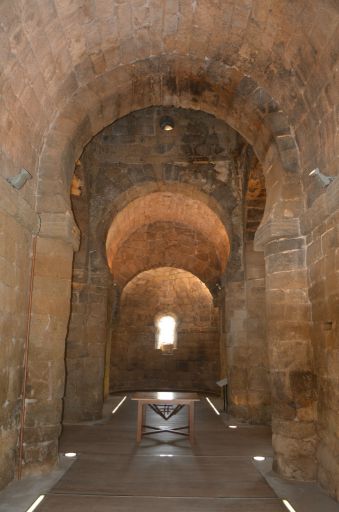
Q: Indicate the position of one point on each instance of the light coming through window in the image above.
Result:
(166, 332)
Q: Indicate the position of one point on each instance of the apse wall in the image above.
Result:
(135, 361)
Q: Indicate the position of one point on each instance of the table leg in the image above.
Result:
(191, 422)
(144, 413)
(140, 421)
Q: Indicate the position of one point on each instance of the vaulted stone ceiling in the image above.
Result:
(169, 198)
(87, 63)
(269, 69)
(199, 241)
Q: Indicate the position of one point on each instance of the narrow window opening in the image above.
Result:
(166, 336)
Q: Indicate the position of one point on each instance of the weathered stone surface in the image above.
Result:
(135, 361)
(270, 72)
(321, 226)
(247, 356)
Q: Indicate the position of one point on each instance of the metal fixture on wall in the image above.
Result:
(19, 180)
(321, 177)
(166, 123)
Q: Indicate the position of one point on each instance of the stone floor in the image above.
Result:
(111, 472)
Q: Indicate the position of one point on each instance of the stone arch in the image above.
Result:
(139, 191)
(36, 47)
(177, 245)
(167, 207)
(165, 290)
(212, 87)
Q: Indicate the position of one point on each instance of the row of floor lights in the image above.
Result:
(258, 458)
(42, 496)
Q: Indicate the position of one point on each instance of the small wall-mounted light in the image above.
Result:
(322, 178)
(19, 179)
(167, 124)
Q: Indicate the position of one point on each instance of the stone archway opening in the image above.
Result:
(68, 71)
(176, 200)
(136, 360)
(167, 228)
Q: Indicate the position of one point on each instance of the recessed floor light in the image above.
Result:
(213, 406)
(70, 455)
(36, 503)
(288, 506)
(120, 403)
(259, 457)
(232, 426)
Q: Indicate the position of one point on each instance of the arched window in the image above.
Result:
(166, 332)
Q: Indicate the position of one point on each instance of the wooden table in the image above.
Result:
(175, 401)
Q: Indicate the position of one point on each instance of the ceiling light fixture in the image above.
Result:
(259, 458)
(232, 426)
(167, 124)
(70, 455)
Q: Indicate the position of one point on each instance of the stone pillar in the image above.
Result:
(58, 238)
(246, 346)
(86, 348)
(112, 317)
(320, 224)
(236, 347)
(18, 221)
(259, 394)
(293, 382)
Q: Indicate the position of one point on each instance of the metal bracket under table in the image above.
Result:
(166, 405)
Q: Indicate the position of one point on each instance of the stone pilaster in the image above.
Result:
(58, 238)
(18, 221)
(293, 381)
(236, 348)
(86, 347)
(320, 224)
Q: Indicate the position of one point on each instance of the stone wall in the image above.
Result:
(15, 265)
(271, 73)
(135, 361)
(171, 199)
(46, 357)
(167, 244)
(36, 261)
(245, 341)
(321, 223)
(259, 392)
(88, 327)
